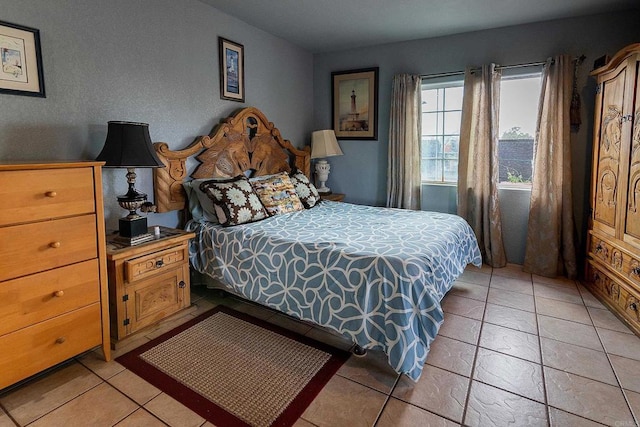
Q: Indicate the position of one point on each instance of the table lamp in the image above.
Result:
(128, 145)
(324, 144)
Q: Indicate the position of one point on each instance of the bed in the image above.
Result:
(374, 275)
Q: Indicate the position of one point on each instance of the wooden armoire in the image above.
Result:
(613, 270)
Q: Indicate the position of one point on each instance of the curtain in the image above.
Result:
(550, 247)
(403, 174)
(478, 162)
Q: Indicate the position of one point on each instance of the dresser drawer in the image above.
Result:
(30, 350)
(145, 266)
(33, 195)
(37, 297)
(29, 248)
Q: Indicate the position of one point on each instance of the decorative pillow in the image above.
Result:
(307, 192)
(234, 200)
(277, 194)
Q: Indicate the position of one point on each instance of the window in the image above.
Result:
(442, 115)
(519, 97)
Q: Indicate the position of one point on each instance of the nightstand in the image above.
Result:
(334, 197)
(147, 282)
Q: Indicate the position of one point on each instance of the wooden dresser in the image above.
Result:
(53, 281)
(613, 270)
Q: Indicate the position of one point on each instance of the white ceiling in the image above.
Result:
(331, 25)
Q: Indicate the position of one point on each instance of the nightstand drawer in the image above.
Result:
(29, 248)
(47, 343)
(145, 266)
(41, 296)
(33, 195)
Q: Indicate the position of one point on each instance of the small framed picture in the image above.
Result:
(20, 61)
(355, 103)
(231, 70)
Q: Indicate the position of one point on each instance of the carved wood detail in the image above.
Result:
(244, 142)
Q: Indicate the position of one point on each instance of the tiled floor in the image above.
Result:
(513, 350)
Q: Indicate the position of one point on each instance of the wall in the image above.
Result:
(153, 61)
(362, 172)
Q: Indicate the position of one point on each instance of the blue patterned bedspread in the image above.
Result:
(375, 275)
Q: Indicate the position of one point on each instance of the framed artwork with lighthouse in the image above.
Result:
(354, 99)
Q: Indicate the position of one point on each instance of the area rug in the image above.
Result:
(235, 370)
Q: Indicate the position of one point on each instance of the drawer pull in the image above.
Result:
(60, 340)
(54, 245)
(159, 263)
(58, 294)
(599, 248)
(51, 194)
(636, 271)
(633, 306)
(181, 285)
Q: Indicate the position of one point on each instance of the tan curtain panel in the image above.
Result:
(550, 248)
(403, 174)
(478, 162)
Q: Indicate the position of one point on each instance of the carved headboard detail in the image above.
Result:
(246, 141)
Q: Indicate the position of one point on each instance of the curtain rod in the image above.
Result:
(498, 67)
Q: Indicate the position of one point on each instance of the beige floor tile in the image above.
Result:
(569, 332)
(401, 414)
(561, 293)
(475, 276)
(489, 406)
(511, 342)
(512, 284)
(330, 338)
(603, 318)
(577, 360)
(438, 391)
(513, 271)
(173, 412)
(101, 406)
(556, 281)
(202, 306)
(634, 402)
(628, 371)
(44, 394)
(300, 422)
(140, 418)
(589, 398)
(589, 299)
(372, 370)
(255, 310)
(168, 324)
(619, 343)
(462, 306)
(560, 418)
(511, 299)
(460, 328)
(452, 355)
(134, 387)
(345, 403)
(509, 373)
(129, 343)
(563, 310)
(5, 421)
(519, 320)
(469, 290)
(94, 361)
(290, 324)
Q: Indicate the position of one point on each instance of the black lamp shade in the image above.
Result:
(128, 145)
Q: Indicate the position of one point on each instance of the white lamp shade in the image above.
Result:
(324, 144)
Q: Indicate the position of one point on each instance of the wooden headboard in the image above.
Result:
(246, 141)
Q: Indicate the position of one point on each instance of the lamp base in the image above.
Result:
(133, 230)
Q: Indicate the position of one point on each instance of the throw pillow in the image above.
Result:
(307, 192)
(234, 200)
(277, 194)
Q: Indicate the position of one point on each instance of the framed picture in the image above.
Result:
(20, 61)
(355, 103)
(231, 70)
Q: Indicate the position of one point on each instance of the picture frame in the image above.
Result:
(20, 61)
(354, 99)
(231, 70)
